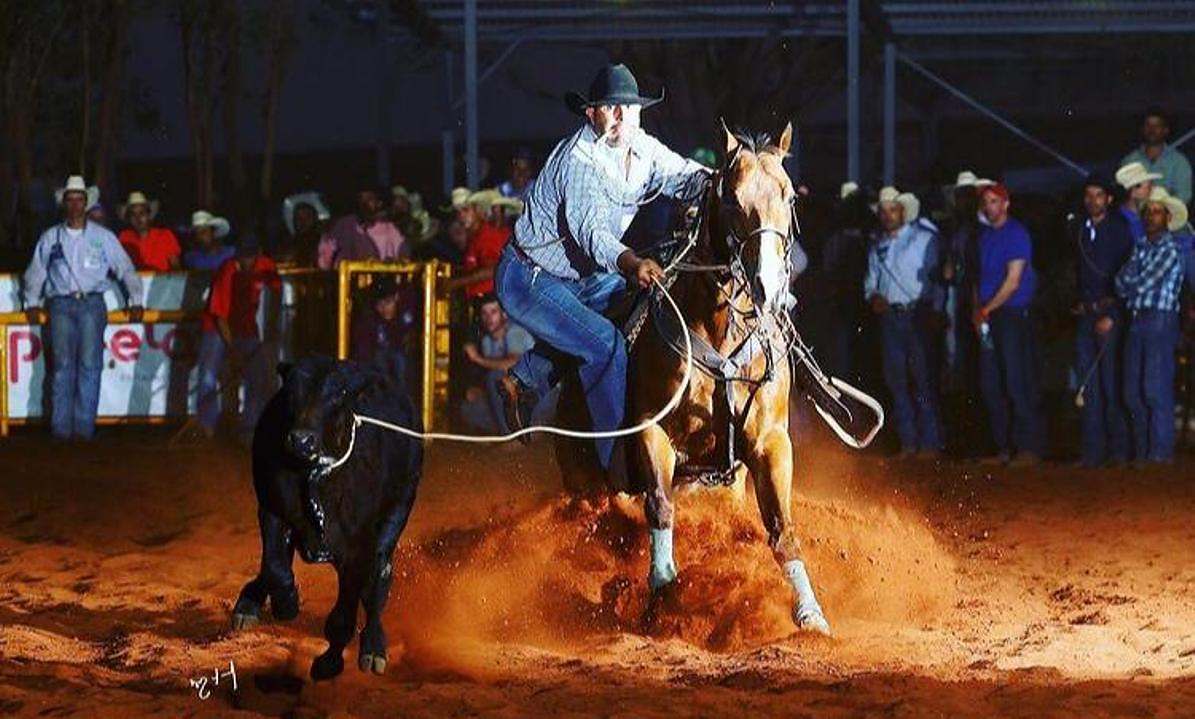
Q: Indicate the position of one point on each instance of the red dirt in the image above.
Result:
(952, 593)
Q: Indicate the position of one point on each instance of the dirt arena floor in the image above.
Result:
(954, 592)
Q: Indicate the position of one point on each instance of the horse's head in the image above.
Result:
(756, 209)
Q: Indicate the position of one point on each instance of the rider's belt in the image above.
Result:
(78, 295)
(901, 307)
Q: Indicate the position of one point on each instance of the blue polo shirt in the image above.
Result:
(1136, 226)
(998, 247)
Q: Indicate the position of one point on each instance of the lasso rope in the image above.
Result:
(328, 463)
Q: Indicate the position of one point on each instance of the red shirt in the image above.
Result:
(235, 295)
(484, 250)
(152, 252)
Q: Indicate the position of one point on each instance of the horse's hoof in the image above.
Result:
(812, 620)
(375, 663)
(243, 620)
(326, 666)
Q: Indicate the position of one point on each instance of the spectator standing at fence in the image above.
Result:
(842, 268)
(69, 272)
(1150, 284)
(230, 331)
(487, 238)
(900, 292)
(207, 252)
(380, 332)
(1156, 156)
(956, 270)
(150, 248)
(502, 343)
(522, 174)
(1138, 183)
(367, 234)
(1103, 244)
(448, 245)
(304, 215)
(1003, 320)
(413, 220)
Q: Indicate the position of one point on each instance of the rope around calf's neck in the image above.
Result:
(329, 464)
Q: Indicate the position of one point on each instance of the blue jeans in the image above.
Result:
(255, 375)
(1149, 383)
(905, 364)
(77, 357)
(565, 317)
(1105, 431)
(1008, 379)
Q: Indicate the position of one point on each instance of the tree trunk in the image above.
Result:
(111, 102)
(85, 119)
(230, 21)
(281, 19)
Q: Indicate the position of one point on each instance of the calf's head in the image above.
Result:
(322, 394)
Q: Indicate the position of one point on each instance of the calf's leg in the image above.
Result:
(372, 656)
(275, 579)
(341, 623)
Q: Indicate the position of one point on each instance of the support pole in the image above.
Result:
(342, 311)
(448, 160)
(992, 115)
(852, 90)
(428, 388)
(889, 114)
(448, 135)
(472, 170)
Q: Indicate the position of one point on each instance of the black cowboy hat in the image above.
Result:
(613, 85)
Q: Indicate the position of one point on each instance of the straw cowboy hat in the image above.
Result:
(613, 85)
(489, 199)
(75, 183)
(848, 188)
(137, 197)
(290, 204)
(1173, 205)
(457, 199)
(966, 178)
(1133, 174)
(203, 218)
(424, 225)
(906, 200)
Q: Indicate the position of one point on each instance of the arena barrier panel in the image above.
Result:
(149, 367)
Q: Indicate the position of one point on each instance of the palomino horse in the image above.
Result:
(732, 286)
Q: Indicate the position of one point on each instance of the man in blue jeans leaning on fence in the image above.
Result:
(566, 259)
(69, 271)
(1002, 317)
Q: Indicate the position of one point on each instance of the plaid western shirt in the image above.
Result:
(585, 198)
(1153, 277)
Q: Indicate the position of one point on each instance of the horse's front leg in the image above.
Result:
(659, 460)
(771, 466)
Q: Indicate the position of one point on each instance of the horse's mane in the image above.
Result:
(756, 141)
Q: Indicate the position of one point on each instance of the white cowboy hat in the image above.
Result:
(1173, 205)
(458, 199)
(1133, 174)
(966, 178)
(203, 218)
(75, 183)
(290, 204)
(137, 197)
(906, 200)
(848, 188)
